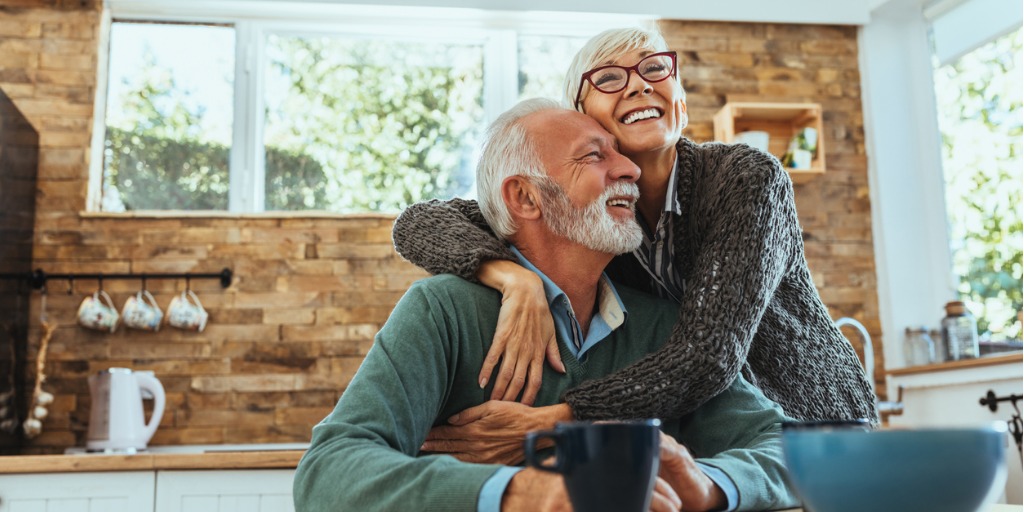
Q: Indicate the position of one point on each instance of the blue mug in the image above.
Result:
(610, 466)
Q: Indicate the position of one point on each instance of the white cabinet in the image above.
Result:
(77, 492)
(245, 490)
(948, 394)
(251, 490)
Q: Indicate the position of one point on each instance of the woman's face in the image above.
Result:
(643, 117)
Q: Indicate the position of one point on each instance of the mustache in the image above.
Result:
(621, 189)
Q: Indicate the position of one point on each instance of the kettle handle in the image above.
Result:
(148, 382)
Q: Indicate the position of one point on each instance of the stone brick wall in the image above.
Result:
(310, 291)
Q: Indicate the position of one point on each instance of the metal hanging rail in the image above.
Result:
(39, 278)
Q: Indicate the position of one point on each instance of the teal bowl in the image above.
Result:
(934, 470)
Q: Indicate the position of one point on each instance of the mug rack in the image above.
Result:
(39, 278)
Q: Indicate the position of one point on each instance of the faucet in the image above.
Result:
(869, 351)
(886, 408)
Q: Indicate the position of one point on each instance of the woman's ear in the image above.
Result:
(682, 96)
(521, 197)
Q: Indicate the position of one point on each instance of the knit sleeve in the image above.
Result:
(447, 237)
(749, 236)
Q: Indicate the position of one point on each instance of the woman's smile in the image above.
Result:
(644, 116)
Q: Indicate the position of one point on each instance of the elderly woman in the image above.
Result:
(721, 238)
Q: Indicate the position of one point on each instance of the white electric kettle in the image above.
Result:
(116, 423)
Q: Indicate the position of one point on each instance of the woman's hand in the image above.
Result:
(493, 432)
(694, 488)
(524, 335)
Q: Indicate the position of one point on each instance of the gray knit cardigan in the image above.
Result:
(749, 303)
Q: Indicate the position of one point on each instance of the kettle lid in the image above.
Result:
(115, 369)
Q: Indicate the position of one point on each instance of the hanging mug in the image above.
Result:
(186, 312)
(141, 312)
(98, 312)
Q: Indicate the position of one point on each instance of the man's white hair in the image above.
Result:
(605, 48)
(507, 151)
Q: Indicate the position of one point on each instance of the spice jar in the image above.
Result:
(940, 348)
(918, 347)
(959, 332)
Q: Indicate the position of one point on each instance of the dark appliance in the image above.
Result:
(19, 166)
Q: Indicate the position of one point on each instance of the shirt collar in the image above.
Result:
(609, 305)
(672, 204)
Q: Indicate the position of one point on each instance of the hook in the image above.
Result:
(42, 304)
(100, 279)
(71, 286)
(143, 282)
(188, 282)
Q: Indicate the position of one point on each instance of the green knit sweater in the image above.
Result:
(422, 369)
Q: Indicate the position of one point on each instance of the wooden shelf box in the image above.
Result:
(782, 121)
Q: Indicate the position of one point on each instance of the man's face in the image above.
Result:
(590, 192)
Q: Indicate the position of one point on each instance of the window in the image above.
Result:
(168, 118)
(345, 117)
(355, 125)
(980, 119)
(543, 60)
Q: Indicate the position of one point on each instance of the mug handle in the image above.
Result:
(106, 299)
(110, 304)
(192, 295)
(533, 457)
(148, 297)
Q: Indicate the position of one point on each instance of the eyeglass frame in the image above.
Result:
(585, 77)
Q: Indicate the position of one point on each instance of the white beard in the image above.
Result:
(592, 226)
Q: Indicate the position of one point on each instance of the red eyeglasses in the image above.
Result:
(611, 79)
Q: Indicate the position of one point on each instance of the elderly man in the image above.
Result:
(553, 185)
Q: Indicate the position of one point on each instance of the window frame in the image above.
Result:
(913, 263)
(496, 31)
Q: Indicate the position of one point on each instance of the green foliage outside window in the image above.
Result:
(391, 123)
(352, 125)
(160, 173)
(980, 118)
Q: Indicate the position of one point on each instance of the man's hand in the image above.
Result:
(524, 336)
(532, 490)
(665, 498)
(493, 432)
(696, 490)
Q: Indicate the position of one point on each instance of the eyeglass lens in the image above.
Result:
(653, 68)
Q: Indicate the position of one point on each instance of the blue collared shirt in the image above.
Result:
(610, 315)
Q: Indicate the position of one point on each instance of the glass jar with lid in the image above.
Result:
(959, 332)
(918, 347)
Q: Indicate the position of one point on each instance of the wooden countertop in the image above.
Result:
(998, 507)
(1011, 357)
(277, 459)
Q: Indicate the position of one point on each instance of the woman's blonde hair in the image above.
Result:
(603, 49)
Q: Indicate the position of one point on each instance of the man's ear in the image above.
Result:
(521, 197)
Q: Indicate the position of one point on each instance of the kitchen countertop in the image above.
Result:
(991, 508)
(987, 360)
(248, 458)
